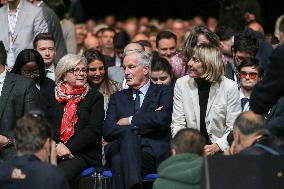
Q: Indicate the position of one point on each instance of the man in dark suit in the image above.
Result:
(137, 124)
(17, 96)
(30, 169)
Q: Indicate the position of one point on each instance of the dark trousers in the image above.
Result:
(72, 169)
(129, 159)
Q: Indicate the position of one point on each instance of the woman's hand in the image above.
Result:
(211, 149)
(63, 152)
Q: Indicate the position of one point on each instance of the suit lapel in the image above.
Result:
(21, 19)
(6, 90)
(4, 21)
(212, 95)
(195, 99)
(128, 100)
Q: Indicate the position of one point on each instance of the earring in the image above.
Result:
(65, 80)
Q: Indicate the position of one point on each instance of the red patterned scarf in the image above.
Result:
(72, 98)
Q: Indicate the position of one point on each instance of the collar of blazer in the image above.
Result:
(8, 85)
(195, 98)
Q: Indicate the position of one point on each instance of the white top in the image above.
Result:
(2, 78)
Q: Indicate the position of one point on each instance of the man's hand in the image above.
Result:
(53, 154)
(3, 141)
(211, 149)
(123, 121)
(231, 150)
(63, 152)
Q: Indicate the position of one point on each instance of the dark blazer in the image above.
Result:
(267, 91)
(275, 119)
(86, 140)
(46, 92)
(157, 123)
(19, 95)
(39, 175)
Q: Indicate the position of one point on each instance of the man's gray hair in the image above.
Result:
(144, 58)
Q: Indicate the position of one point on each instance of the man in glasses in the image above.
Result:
(250, 73)
(245, 46)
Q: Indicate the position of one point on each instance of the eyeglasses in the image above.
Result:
(252, 75)
(31, 74)
(76, 71)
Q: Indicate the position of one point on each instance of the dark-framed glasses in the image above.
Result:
(32, 74)
(76, 71)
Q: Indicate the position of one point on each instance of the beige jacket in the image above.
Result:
(222, 109)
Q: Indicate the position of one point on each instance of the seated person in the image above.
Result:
(252, 138)
(162, 72)
(251, 72)
(137, 124)
(30, 168)
(76, 114)
(183, 169)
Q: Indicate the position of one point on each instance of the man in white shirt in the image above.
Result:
(44, 44)
(250, 73)
(20, 23)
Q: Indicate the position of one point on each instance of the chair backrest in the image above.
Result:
(243, 171)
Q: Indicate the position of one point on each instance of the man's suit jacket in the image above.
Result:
(275, 119)
(18, 96)
(121, 105)
(54, 28)
(30, 22)
(267, 91)
(222, 109)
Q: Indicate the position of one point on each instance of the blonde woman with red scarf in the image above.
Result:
(76, 112)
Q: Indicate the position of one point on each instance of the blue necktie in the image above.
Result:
(137, 101)
(243, 103)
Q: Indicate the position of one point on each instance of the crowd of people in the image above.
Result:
(137, 96)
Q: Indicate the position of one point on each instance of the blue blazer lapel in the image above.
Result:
(4, 22)
(6, 90)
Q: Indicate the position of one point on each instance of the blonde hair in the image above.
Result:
(66, 63)
(211, 59)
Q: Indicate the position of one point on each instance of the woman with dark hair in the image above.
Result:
(30, 64)
(98, 77)
(199, 35)
(162, 72)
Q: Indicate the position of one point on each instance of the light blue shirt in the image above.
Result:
(143, 90)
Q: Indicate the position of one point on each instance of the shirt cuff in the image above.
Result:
(130, 120)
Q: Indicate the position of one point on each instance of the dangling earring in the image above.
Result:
(65, 80)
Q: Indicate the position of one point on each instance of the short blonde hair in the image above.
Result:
(66, 63)
(211, 59)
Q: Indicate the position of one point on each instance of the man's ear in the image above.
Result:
(237, 136)
(174, 152)
(146, 70)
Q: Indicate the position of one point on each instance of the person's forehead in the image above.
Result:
(131, 59)
(44, 42)
(167, 42)
(244, 54)
(249, 68)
